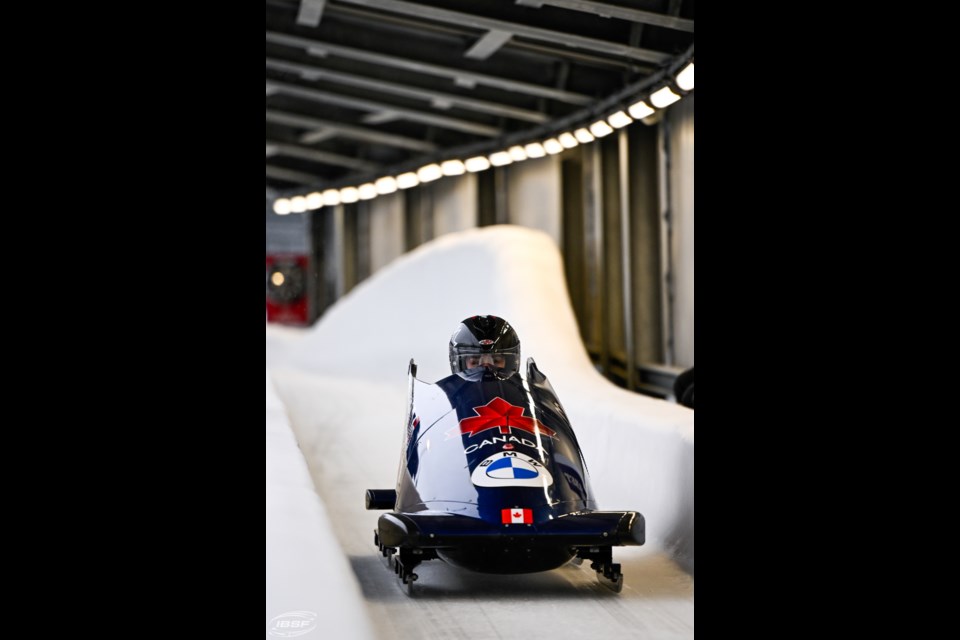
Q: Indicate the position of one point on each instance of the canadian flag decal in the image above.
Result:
(517, 516)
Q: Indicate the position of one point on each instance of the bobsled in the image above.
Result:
(492, 479)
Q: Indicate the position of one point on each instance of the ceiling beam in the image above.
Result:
(460, 76)
(488, 44)
(380, 117)
(289, 175)
(424, 117)
(310, 12)
(317, 135)
(359, 14)
(438, 99)
(605, 10)
(348, 131)
(517, 29)
(322, 157)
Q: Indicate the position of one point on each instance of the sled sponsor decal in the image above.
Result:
(501, 440)
(517, 516)
(500, 414)
(511, 469)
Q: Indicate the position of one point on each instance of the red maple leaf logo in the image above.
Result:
(500, 414)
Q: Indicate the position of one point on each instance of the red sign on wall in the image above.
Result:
(287, 299)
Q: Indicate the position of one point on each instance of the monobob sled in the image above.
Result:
(492, 479)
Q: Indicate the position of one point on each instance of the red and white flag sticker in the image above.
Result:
(517, 516)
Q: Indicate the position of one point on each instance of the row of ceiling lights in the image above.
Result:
(639, 110)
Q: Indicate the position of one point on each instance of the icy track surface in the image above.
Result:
(342, 384)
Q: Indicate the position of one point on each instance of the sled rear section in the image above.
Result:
(507, 548)
(492, 479)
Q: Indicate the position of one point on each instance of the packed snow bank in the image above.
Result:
(639, 450)
(309, 582)
(410, 308)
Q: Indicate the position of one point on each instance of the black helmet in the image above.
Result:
(481, 336)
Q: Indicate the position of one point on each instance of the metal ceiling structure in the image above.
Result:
(357, 88)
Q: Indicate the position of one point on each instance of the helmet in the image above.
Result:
(484, 344)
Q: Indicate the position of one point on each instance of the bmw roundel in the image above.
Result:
(511, 469)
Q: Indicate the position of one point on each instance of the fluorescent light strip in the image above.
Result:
(583, 135)
(452, 168)
(553, 146)
(534, 150)
(600, 128)
(407, 180)
(640, 110)
(517, 154)
(568, 140)
(385, 185)
(331, 197)
(478, 163)
(367, 191)
(685, 78)
(314, 201)
(663, 98)
(349, 195)
(619, 120)
(429, 173)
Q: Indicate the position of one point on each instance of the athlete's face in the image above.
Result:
(489, 360)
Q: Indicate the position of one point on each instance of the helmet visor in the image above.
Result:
(475, 359)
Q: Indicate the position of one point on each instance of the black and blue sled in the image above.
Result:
(492, 480)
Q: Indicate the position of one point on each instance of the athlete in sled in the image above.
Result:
(491, 477)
